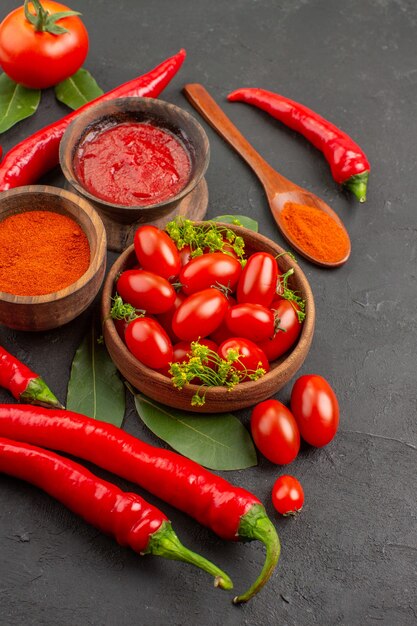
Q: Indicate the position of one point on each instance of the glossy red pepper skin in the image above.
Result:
(126, 516)
(348, 163)
(231, 512)
(24, 384)
(31, 158)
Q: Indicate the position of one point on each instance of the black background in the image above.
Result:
(350, 557)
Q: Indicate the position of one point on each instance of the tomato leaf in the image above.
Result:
(218, 441)
(78, 89)
(247, 222)
(95, 388)
(16, 102)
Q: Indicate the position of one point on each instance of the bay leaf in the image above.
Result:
(245, 221)
(16, 102)
(78, 89)
(95, 388)
(217, 441)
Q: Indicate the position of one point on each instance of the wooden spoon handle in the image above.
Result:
(213, 114)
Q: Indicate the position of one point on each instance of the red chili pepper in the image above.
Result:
(231, 512)
(348, 163)
(23, 384)
(126, 516)
(31, 158)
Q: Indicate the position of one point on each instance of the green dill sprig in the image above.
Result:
(289, 294)
(123, 310)
(211, 371)
(207, 236)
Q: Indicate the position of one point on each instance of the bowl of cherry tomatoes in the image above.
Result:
(206, 316)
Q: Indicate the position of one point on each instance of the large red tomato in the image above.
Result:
(258, 282)
(200, 314)
(40, 58)
(210, 270)
(251, 357)
(156, 251)
(288, 331)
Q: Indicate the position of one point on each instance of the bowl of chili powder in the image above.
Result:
(52, 257)
(136, 160)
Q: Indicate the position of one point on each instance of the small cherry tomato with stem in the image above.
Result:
(146, 291)
(287, 330)
(42, 44)
(316, 409)
(252, 321)
(210, 270)
(287, 495)
(156, 252)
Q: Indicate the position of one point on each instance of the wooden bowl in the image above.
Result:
(55, 309)
(168, 117)
(218, 399)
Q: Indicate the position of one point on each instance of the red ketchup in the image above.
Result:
(133, 164)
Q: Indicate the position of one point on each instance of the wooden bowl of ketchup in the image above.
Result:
(135, 160)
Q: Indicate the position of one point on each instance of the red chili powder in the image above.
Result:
(315, 231)
(41, 252)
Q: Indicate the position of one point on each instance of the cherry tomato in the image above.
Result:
(40, 59)
(287, 495)
(209, 270)
(149, 343)
(288, 331)
(145, 290)
(222, 332)
(156, 252)
(316, 409)
(275, 432)
(253, 321)
(165, 319)
(251, 356)
(185, 255)
(200, 314)
(258, 281)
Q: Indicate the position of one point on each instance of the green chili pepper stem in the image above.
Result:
(164, 542)
(357, 185)
(37, 392)
(256, 525)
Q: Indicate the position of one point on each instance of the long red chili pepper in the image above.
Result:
(348, 163)
(126, 516)
(231, 512)
(23, 384)
(31, 158)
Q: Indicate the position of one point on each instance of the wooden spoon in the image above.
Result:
(279, 190)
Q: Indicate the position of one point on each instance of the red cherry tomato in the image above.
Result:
(146, 291)
(288, 331)
(287, 495)
(275, 432)
(253, 321)
(149, 343)
(316, 409)
(200, 314)
(156, 252)
(258, 281)
(40, 59)
(222, 332)
(251, 356)
(209, 270)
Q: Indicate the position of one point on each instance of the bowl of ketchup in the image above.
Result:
(134, 159)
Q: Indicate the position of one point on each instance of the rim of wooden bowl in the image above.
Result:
(105, 110)
(98, 254)
(243, 395)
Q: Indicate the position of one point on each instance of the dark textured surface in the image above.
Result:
(350, 557)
